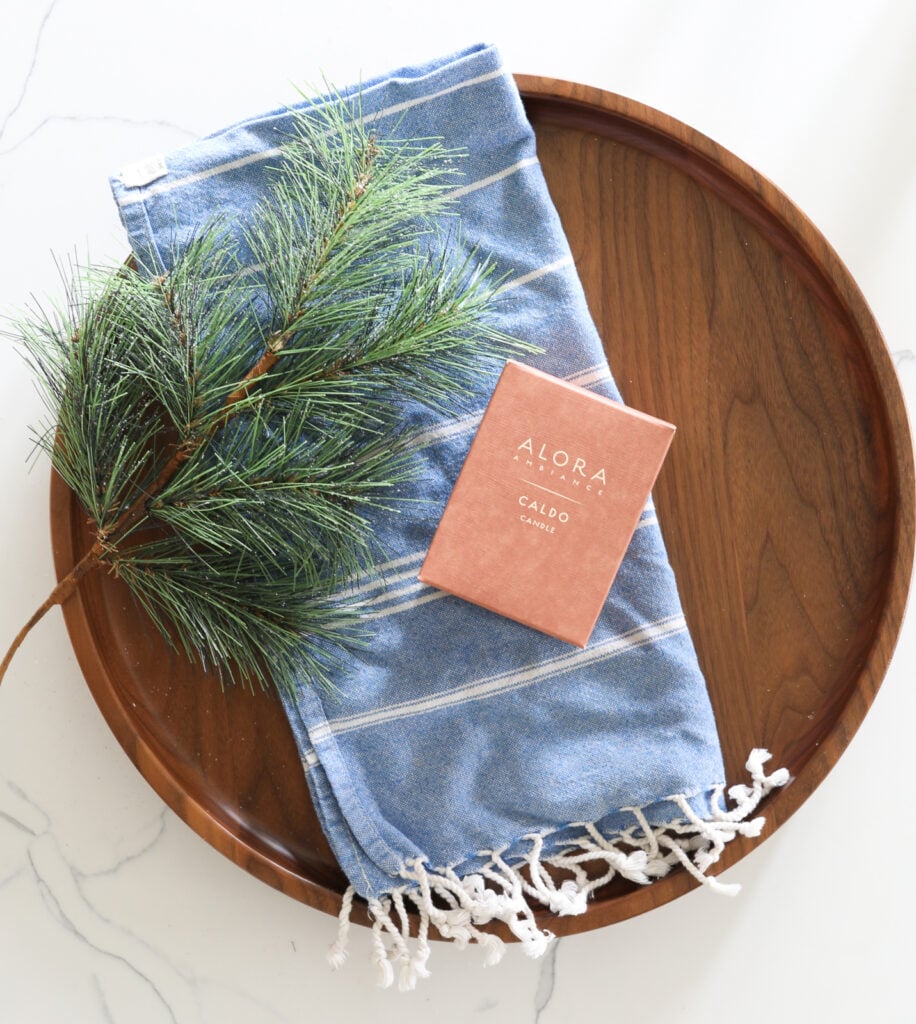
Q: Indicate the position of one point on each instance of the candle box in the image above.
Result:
(546, 503)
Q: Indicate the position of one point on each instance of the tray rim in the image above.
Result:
(702, 158)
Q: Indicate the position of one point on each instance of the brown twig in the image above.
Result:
(58, 595)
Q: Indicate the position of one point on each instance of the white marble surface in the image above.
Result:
(112, 911)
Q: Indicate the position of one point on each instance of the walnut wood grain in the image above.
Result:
(787, 501)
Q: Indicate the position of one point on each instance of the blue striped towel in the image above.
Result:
(471, 769)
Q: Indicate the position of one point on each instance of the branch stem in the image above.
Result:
(58, 595)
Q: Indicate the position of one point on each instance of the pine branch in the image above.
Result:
(229, 423)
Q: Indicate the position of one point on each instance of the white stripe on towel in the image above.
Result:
(595, 375)
(266, 154)
(374, 584)
(395, 594)
(396, 108)
(430, 595)
(533, 275)
(491, 178)
(480, 689)
(430, 435)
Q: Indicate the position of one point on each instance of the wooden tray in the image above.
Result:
(787, 501)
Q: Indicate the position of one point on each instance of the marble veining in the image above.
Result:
(54, 118)
(27, 78)
(104, 1008)
(146, 846)
(547, 980)
(113, 119)
(10, 820)
(17, 809)
(61, 890)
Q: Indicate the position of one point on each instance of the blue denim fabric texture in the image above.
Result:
(462, 745)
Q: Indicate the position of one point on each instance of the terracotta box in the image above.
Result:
(546, 503)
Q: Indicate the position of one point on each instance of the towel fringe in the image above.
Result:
(457, 907)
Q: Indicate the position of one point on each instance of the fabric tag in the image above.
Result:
(546, 503)
(144, 171)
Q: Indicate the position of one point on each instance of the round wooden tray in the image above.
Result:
(787, 501)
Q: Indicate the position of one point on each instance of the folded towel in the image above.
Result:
(469, 767)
